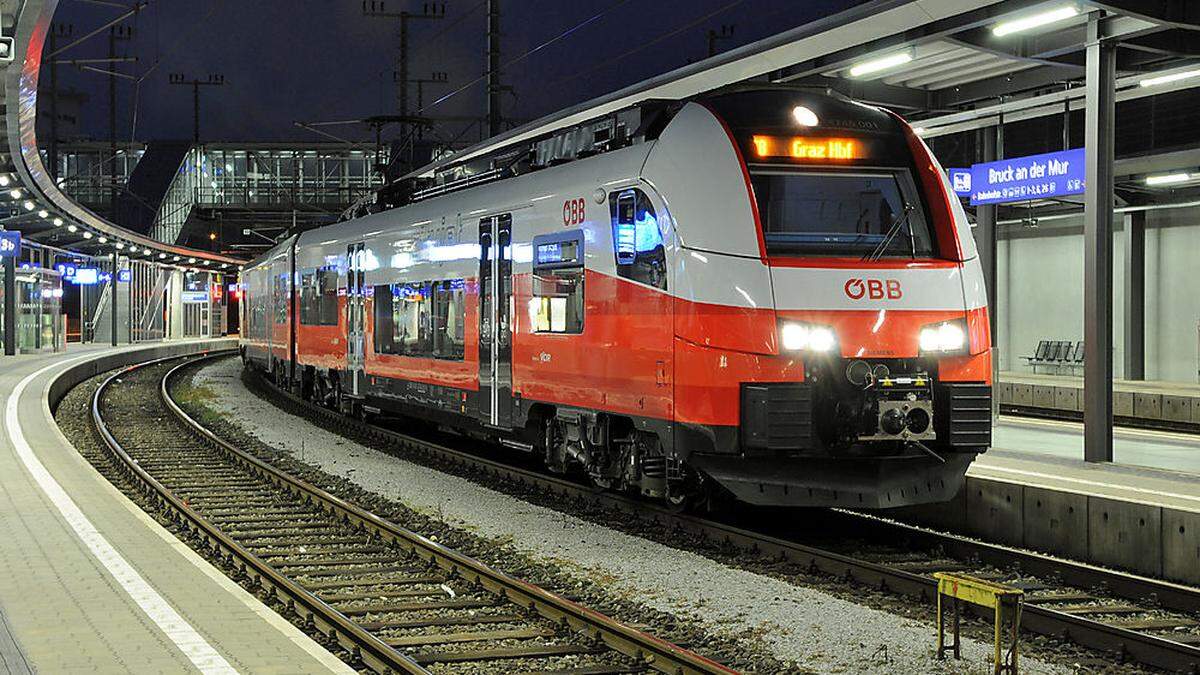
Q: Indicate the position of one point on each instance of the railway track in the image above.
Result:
(399, 602)
(1128, 617)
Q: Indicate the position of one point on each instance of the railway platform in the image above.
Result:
(1146, 402)
(91, 583)
(1032, 489)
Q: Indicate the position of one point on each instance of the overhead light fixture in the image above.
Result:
(4, 180)
(882, 63)
(1169, 78)
(58, 222)
(1035, 21)
(224, 265)
(1168, 179)
(87, 235)
(147, 250)
(192, 260)
(29, 205)
(72, 228)
(161, 256)
(120, 246)
(805, 117)
(15, 193)
(103, 240)
(43, 214)
(175, 259)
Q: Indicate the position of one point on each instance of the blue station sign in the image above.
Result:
(1053, 174)
(10, 244)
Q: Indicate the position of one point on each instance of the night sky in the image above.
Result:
(323, 60)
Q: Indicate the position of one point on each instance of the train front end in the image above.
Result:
(832, 343)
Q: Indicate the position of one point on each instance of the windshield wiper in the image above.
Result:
(879, 250)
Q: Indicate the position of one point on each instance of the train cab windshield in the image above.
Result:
(868, 213)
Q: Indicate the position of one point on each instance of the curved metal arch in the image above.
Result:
(21, 94)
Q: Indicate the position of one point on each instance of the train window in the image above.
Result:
(280, 298)
(841, 213)
(637, 239)
(318, 297)
(558, 272)
(558, 301)
(424, 319)
(448, 317)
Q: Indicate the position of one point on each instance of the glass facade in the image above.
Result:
(325, 179)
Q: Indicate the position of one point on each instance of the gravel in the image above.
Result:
(817, 630)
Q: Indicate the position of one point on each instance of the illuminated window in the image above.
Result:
(558, 274)
(638, 240)
(424, 319)
(558, 301)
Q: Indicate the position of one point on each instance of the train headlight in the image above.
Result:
(946, 337)
(796, 336)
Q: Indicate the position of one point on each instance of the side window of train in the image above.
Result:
(280, 297)
(318, 297)
(424, 319)
(637, 240)
(558, 275)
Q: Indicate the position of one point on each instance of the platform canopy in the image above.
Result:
(964, 65)
(30, 201)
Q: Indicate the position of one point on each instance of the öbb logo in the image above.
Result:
(873, 289)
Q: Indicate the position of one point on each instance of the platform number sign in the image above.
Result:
(574, 212)
(10, 244)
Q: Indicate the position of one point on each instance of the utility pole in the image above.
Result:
(57, 30)
(115, 33)
(214, 80)
(494, 88)
(725, 33)
(429, 10)
(437, 77)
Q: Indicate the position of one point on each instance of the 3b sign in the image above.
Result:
(10, 244)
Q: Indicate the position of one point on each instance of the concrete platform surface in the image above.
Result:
(1147, 448)
(91, 583)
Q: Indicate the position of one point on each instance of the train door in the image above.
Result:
(495, 329)
(355, 315)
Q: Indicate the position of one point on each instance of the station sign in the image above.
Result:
(191, 297)
(10, 244)
(124, 276)
(86, 276)
(1052, 174)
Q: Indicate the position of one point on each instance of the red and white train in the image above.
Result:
(768, 292)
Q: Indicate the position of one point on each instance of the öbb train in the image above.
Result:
(768, 293)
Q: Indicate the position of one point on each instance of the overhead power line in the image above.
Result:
(531, 52)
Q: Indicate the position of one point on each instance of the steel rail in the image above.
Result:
(1121, 642)
(655, 653)
(370, 649)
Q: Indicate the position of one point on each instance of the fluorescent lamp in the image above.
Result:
(1035, 21)
(882, 63)
(1168, 179)
(1166, 79)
